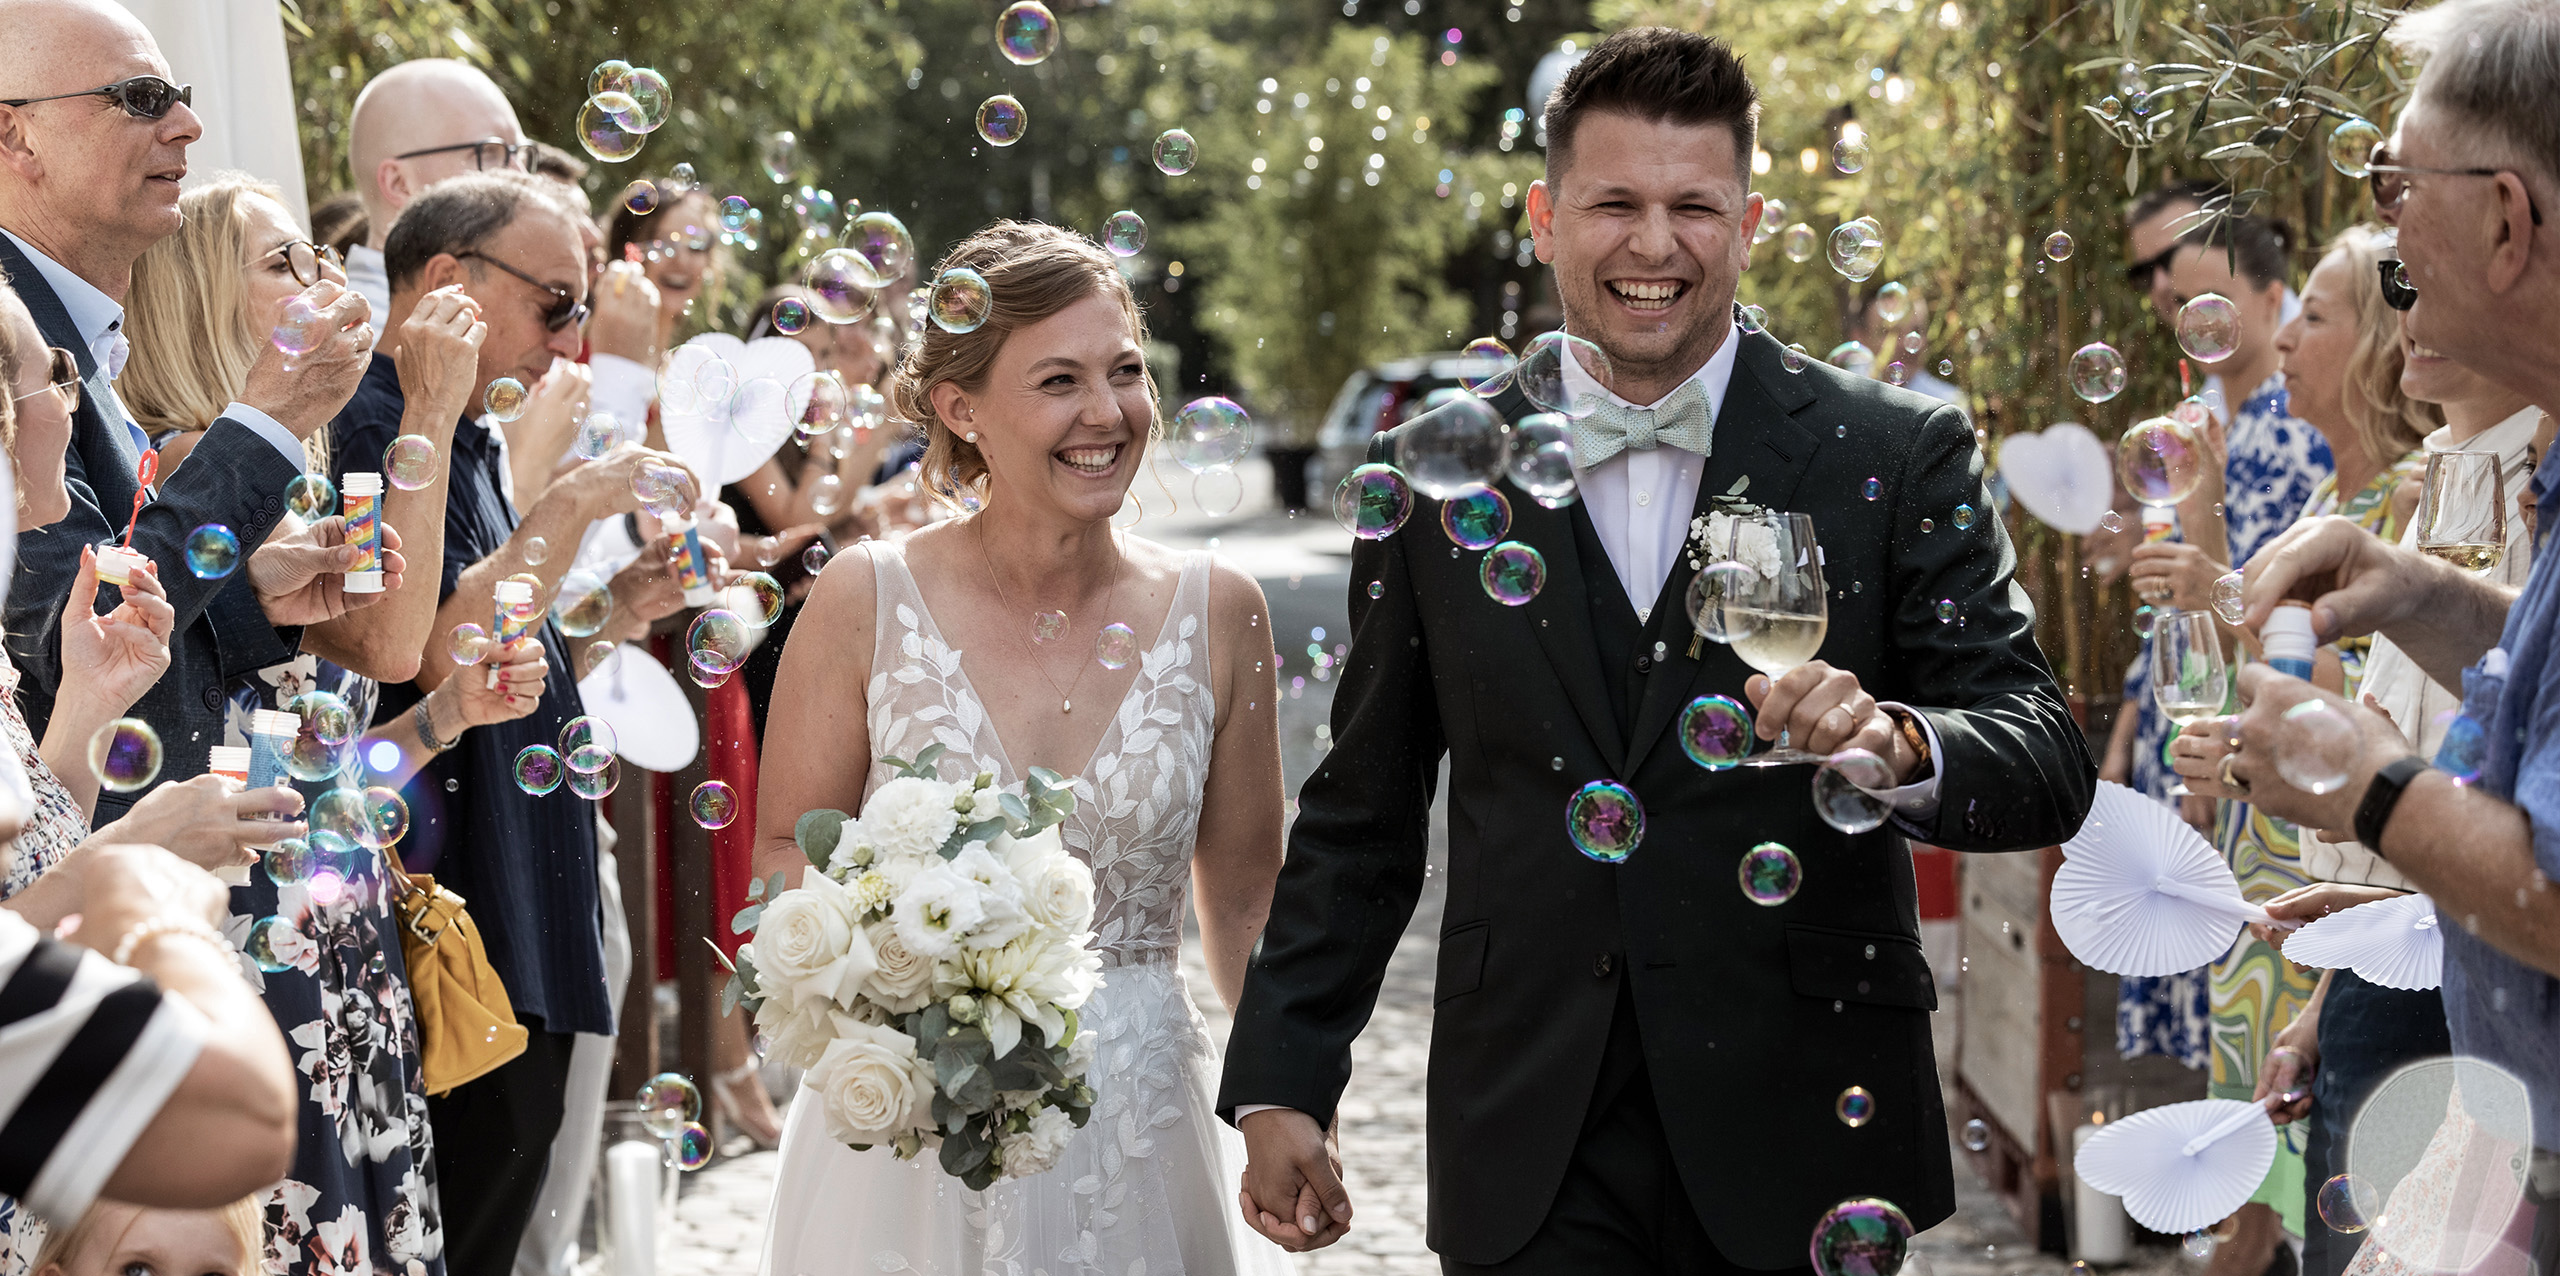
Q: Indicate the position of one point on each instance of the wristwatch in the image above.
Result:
(427, 729)
(1918, 739)
(2382, 797)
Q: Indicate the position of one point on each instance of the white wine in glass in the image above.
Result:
(2189, 673)
(1786, 598)
(2462, 510)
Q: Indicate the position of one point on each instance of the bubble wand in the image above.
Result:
(149, 470)
(117, 560)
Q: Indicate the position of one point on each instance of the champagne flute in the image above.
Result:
(1783, 609)
(2189, 674)
(2462, 510)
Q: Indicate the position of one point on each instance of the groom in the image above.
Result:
(1636, 1067)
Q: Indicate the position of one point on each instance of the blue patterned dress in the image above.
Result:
(2275, 462)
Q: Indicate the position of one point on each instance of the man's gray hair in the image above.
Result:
(460, 214)
(2495, 65)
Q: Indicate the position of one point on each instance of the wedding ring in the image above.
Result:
(2230, 781)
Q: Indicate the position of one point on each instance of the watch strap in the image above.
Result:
(2382, 797)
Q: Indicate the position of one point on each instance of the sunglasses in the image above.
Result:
(2397, 292)
(487, 153)
(2390, 182)
(304, 259)
(564, 309)
(2139, 273)
(62, 377)
(144, 97)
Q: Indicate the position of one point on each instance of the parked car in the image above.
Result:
(1381, 397)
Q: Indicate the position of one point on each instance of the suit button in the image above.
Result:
(213, 698)
(1601, 965)
(271, 504)
(1644, 664)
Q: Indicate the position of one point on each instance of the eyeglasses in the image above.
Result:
(2390, 182)
(305, 258)
(62, 377)
(486, 153)
(2139, 273)
(564, 309)
(2397, 292)
(144, 97)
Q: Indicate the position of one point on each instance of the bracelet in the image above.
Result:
(2382, 797)
(427, 729)
(154, 927)
(1918, 739)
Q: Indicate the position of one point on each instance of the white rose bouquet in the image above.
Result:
(927, 974)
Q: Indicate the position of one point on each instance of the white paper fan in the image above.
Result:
(652, 722)
(2118, 809)
(2064, 476)
(726, 424)
(2392, 942)
(2183, 1167)
(2141, 894)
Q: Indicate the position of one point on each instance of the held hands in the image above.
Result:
(1292, 1191)
(300, 573)
(210, 821)
(1823, 710)
(440, 353)
(302, 392)
(109, 661)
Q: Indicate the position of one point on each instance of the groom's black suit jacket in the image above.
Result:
(1753, 1019)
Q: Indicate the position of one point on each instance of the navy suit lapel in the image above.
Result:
(100, 417)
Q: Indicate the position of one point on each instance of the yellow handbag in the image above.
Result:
(466, 1025)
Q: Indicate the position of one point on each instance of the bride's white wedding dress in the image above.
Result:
(1148, 1187)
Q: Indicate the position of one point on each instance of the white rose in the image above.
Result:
(904, 981)
(938, 906)
(1036, 1150)
(807, 945)
(1057, 888)
(798, 1035)
(908, 817)
(871, 1086)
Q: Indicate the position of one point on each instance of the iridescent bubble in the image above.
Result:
(1372, 501)
(1512, 573)
(1946, 367)
(1718, 602)
(1542, 458)
(1770, 874)
(271, 944)
(1861, 1237)
(1487, 366)
(827, 495)
(668, 1102)
(1839, 790)
(1799, 242)
(608, 76)
(598, 434)
(2316, 747)
(690, 1150)
(2226, 598)
(213, 551)
(1605, 821)
(836, 291)
(505, 399)
(1872, 488)
(1176, 152)
(1977, 1135)
(538, 769)
(1753, 320)
(1895, 373)
(1026, 32)
(643, 101)
(2097, 372)
(311, 497)
(1209, 434)
(469, 644)
(2196, 1245)
(1002, 121)
(410, 462)
(2058, 246)
(780, 155)
(1855, 1107)
(2464, 751)
(2348, 1203)
(2351, 148)
(583, 605)
(601, 783)
(299, 328)
(814, 559)
(536, 549)
(1851, 357)
(714, 804)
(718, 640)
(1893, 303)
(288, 861)
(605, 136)
(961, 300)
(587, 743)
(386, 816)
(881, 247)
(1377, 589)
(1115, 646)
(1715, 731)
(1963, 517)
(2160, 460)
(1452, 449)
(1946, 608)
(1851, 152)
(2209, 328)
(1541, 374)
(340, 812)
(1911, 342)
(2144, 617)
(1476, 519)
(125, 755)
(1048, 626)
(1857, 248)
(682, 177)
(733, 212)
(1794, 358)
(757, 598)
(597, 653)
(1125, 234)
(817, 403)
(641, 197)
(2111, 521)
(790, 316)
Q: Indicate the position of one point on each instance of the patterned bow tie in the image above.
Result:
(1683, 421)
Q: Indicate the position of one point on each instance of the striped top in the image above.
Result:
(89, 1050)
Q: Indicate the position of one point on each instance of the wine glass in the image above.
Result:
(1778, 612)
(2189, 674)
(2462, 510)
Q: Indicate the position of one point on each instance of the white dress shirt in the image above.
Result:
(370, 278)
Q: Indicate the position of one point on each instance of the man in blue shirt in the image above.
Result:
(2468, 179)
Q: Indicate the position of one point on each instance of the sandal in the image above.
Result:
(762, 1128)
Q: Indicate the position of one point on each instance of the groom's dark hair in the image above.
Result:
(1656, 73)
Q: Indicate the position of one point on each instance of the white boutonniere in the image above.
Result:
(1711, 535)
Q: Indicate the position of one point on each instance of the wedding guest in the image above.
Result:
(116, 1239)
(416, 124)
(338, 223)
(1901, 345)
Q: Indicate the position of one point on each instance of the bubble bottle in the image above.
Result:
(361, 497)
(693, 568)
(2288, 639)
(2159, 523)
(116, 564)
(271, 734)
(231, 760)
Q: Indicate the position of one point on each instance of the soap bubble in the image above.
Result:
(272, 943)
(409, 463)
(1605, 821)
(690, 1150)
(2197, 1245)
(733, 213)
(608, 76)
(1512, 573)
(125, 755)
(714, 804)
(2097, 372)
(1793, 358)
(386, 816)
(780, 155)
(718, 640)
(505, 399)
(1851, 152)
(1893, 303)
(881, 249)
(1963, 517)
(1176, 152)
(1210, 434)
(2348, 1203)
(2226, 598)
(682, 177)
(600, 433)
(340, 811)
(2351, 151)
(1770, 874)
(814, 559)
(2160, 460)
(1452, 449)
(1487, 368)
(2209, 328)
(1852, 357)
(212, 551)
(325, 716)
(826, 496)
(1542, 458)
(2464, 751)
(1773, 217)
(1372, 501)
(1718, 601)
(583, 604)
(2111, 521)
(288, 861)
(1839, 790)
(1857, 248)
(757, 598)
(1799, 242)
(601, 783)
(790, 316)
(587, 743)
(1476, 519)
(817, 403)
(1861, 1237)
(668, 1102)
(1541, 374)
(311, 497)
(961, 300)
(641, 197)
(1715, 731)
(1753, 320)
(538, 769)
(597, 653)
(605, 136)
(299, 328)
(2318, 747)
(1895, 373)
(1125, 234)
(2058, 246)
(536, 549)
(1026, 33)
(641, 102)
(1115, 646)
(1002, 121)
(1855, 1107)
(1977, 1135)
(469, 645)
(865, 408)
(1048, 626)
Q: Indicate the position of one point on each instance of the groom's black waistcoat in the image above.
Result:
(1753, 1018)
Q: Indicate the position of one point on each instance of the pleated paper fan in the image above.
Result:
(2118, 812)
(2143, 894)
(2183, 1167)
(2392, 942)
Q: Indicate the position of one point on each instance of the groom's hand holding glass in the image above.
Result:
(1825, 711)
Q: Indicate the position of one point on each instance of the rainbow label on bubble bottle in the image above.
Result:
(2159, 523)
(515, 618)
(693, 568)
(361, 497)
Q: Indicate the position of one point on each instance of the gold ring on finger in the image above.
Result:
(2230, 781)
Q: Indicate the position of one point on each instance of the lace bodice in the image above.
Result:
(1138, 799)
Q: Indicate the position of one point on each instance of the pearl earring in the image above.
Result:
(971, 436)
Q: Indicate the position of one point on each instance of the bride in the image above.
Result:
(1013, 638)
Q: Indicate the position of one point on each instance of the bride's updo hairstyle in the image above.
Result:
(1032, 271)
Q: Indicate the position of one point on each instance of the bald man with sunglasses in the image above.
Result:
(93, 141)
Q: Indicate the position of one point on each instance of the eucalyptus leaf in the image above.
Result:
(817, 832)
